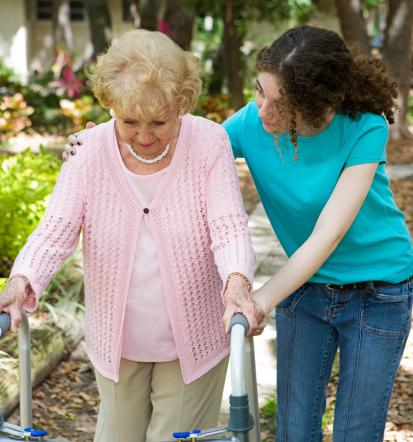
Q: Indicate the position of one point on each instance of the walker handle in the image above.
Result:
(5, 323)
(240, 319)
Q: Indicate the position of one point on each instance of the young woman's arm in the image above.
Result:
(333, 223)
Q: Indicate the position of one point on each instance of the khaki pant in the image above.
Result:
(151, 401)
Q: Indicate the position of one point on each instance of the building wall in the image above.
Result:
(41, 51)
(27, 43)
(41, 41)
(14, 35)
(118, 25)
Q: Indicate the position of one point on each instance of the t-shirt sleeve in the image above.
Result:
(370, 146)
(234, 127)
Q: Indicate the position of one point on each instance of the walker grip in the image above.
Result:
(5, 323)
(239, 318)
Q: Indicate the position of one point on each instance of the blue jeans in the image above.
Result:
(370, 327)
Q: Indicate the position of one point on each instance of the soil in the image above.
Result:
(400, 152)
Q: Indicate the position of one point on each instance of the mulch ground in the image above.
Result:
(400, 152)
(67, 402)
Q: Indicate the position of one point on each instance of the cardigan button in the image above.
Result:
(145, 210)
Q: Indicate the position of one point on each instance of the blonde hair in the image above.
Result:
(144, 74)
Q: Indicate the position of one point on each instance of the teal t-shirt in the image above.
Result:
(378, 245)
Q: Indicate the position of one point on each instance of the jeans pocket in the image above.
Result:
(288, 306)
(387, 311)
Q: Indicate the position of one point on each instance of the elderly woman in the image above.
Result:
(154, 192)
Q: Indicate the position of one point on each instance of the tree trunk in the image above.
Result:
(233, 57)
(398, 53)
(149, 13)
(178, 22)
(218, 71)
(50, 345)
(352, 24)
(99, 24)
(133, 8)
(61, 28)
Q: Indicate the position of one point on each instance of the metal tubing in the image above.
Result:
(241, 437)
(25, 373)
(237, 361)
(251, 385)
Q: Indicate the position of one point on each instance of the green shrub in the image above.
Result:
(7, 76)
(26, 179)
(267, 414)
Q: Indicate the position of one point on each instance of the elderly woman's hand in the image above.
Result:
(238, 299)
(12, 299)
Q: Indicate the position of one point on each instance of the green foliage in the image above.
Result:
(7, 76)
(275, 11)
(300, 11)
(26, 180)
(410, 110)
(66, 286)
(370, 4)
(268, 411)
(45, 100)
(207, 46)
(328, 416)
(253, 20)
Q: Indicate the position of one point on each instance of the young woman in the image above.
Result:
(314, 140)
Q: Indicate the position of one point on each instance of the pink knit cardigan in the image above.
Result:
(198, 223)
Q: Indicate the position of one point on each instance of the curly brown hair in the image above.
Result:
(318, 72)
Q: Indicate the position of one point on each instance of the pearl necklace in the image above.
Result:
(152, 160)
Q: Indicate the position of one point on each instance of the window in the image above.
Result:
(44, 10)
(77, 10)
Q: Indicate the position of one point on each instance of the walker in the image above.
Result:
(243, 426)
(24, 431)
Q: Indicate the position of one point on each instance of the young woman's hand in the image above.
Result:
(238, 299)
(12, 299)
(73, 141)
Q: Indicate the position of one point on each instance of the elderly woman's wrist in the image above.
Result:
(20, 282)
(238, 279)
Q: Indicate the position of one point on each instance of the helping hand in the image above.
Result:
(73, 141)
